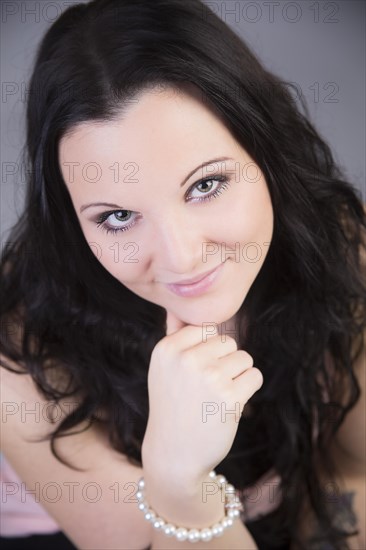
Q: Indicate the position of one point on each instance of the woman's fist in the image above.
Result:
(198, 386)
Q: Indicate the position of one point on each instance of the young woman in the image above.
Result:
(160, 150)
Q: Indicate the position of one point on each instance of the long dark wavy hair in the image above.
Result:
(306, 308)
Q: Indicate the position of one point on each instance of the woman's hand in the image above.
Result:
(197, 391)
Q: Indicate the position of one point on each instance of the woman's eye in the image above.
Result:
(124, 215)
(206, 195)
(116, 215)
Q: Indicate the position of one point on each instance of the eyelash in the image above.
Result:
(224, 184)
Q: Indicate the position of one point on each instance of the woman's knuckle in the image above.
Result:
(187, 359)
(249, 358)
(163, 348)
(232, 341)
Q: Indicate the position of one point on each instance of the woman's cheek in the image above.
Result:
(120, 259)
(125, 270)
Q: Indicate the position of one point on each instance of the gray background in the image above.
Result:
(319, 46)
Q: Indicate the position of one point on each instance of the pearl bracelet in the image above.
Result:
(233, 507)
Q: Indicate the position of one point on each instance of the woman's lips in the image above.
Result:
(195, 289)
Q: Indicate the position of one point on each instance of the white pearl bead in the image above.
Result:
(150, 515)
(217, 530)
(141, 483)
(212, 473)
(143, 507)
(139, 495)
(169, 529)
(158, 523)
(181, 534)
(232, 500)
(233, 513)
(227, 522)
(221, 479)
(193, 535)
(229, 488)
(206, 535)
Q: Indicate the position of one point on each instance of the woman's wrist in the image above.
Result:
(186, 485)
(192, 506)
(178, 475)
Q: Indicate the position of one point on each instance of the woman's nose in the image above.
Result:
(178, 245)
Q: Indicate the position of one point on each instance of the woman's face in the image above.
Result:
(165, 224)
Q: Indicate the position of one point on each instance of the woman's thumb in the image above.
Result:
(173, 324)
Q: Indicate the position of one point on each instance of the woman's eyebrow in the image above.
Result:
(202, 166)
(111, 205)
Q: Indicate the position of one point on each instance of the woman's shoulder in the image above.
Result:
(27, 412)
(344, 497)
(346, 493)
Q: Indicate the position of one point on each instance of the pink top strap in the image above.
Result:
(21, 514)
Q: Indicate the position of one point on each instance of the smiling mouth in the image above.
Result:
(194, 280)
(199, 287)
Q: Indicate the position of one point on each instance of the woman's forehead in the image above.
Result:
(159, 127)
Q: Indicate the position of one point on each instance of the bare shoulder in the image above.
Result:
(96, 507)
(345, 499)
